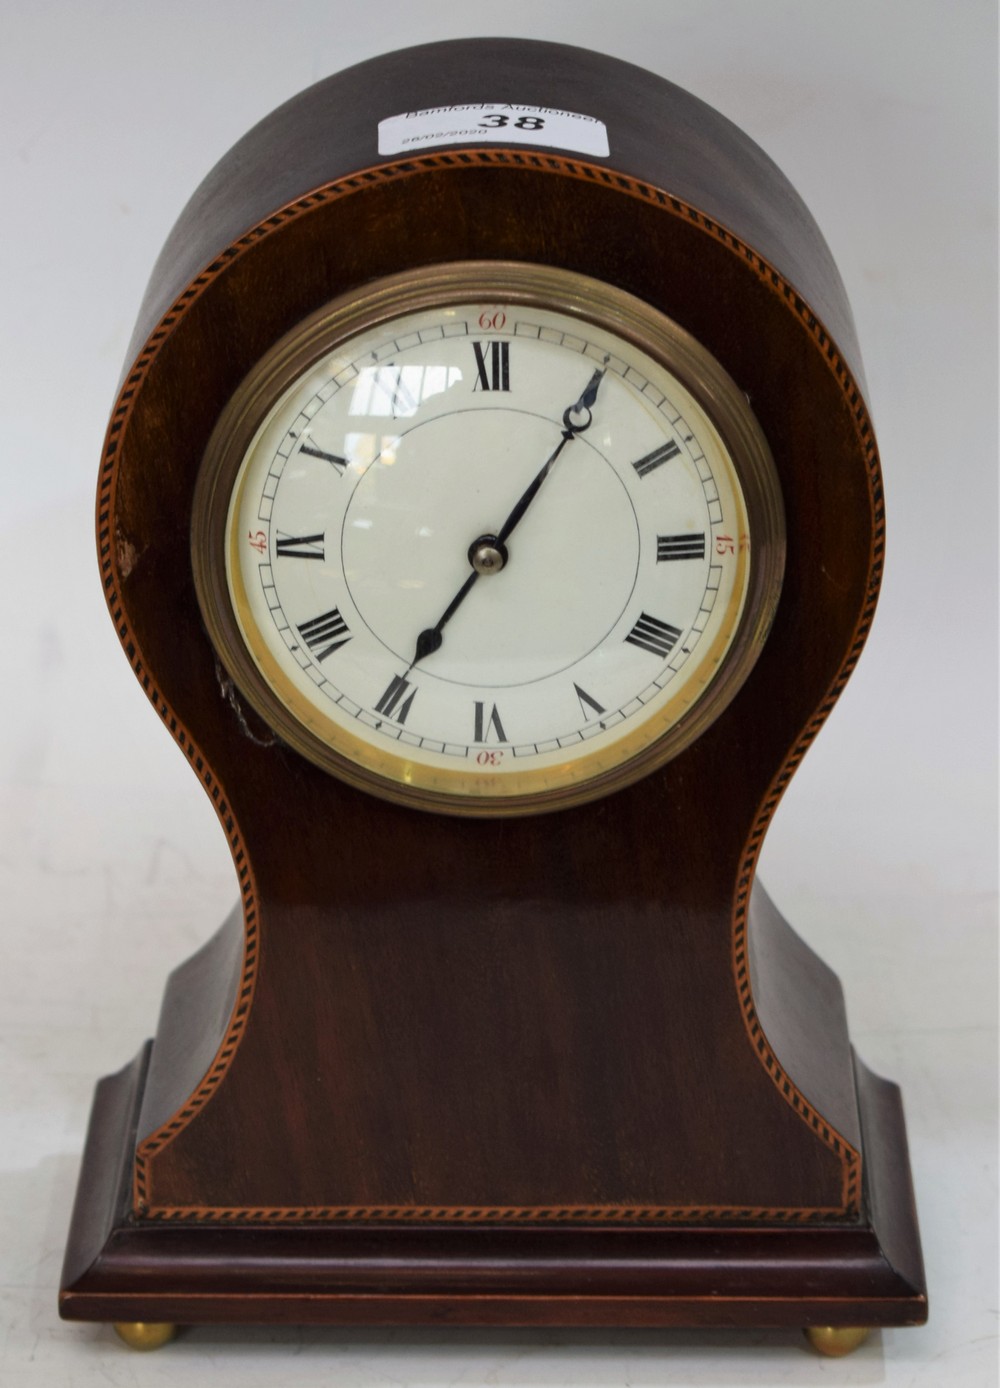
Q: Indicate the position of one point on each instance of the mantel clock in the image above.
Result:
(492, 514)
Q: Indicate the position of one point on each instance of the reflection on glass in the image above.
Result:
(399, 391)
(363, 449)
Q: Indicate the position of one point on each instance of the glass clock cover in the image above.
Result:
(488, 539)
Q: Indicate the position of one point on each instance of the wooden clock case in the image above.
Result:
(564, 1069)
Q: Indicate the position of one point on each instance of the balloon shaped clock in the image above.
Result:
(492, 514)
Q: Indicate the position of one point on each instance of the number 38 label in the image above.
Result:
(493, 123)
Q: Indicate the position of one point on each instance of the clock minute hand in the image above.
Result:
(570, 430)
(430, 638)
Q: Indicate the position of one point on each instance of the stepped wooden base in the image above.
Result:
(122, 1269)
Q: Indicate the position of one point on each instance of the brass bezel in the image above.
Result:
(396, 777)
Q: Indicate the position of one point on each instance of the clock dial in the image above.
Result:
(492, 543)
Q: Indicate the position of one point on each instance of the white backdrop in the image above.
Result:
(883, 854)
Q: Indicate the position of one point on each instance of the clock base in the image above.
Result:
(834, 1276)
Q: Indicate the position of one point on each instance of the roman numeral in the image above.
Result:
(586, 700)
(483, 724)
(318, 631)
(338, 462)
(653, 460)
(680, 546)
(497, 377)
(392, 703)
(300, 547)
(653, 635)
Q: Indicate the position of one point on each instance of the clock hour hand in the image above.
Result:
(488, 554)
(430, 639)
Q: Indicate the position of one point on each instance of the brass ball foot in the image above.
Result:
(834, 1341)
(145, 1334)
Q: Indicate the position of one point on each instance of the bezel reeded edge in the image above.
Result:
(388, 774)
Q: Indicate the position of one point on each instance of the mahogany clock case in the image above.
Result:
(561, 1069)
